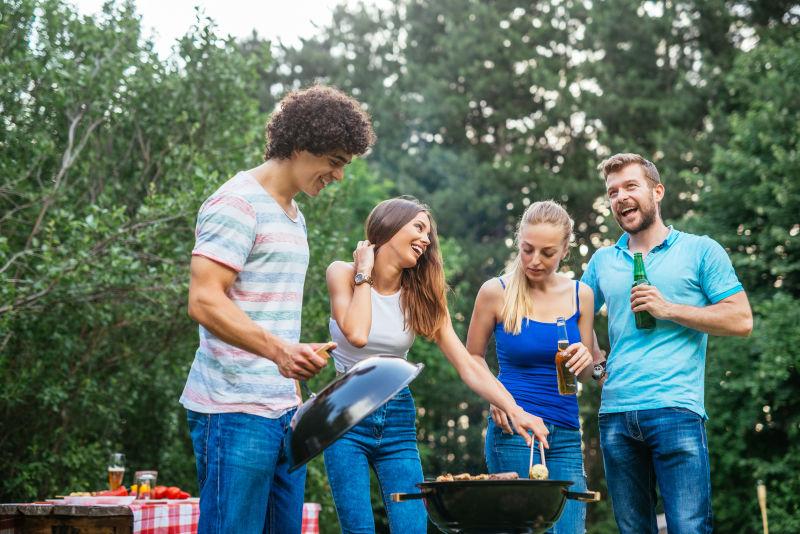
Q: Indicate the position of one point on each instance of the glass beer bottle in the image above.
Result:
(644, 321)
(566, 379)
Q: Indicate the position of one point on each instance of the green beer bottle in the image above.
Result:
(644, 321)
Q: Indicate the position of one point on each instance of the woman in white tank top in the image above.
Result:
(393, 290)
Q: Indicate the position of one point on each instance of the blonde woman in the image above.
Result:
(520, 308)
(392, 291)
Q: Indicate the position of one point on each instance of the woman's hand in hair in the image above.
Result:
(364, 257)
(525, 423)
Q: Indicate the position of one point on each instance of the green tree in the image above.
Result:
(107, 151)
(749, 204)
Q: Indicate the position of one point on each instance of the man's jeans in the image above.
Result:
(667, 446)
(386, 440)
(243, 473)
(508, 452)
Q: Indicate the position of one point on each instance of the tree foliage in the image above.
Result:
(107, 153)
(480, 108)
(751, 196)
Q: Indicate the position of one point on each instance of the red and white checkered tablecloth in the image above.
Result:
(182, 518)
(165, 518)
(311, 518)
(179, 517)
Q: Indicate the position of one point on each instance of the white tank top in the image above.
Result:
(387, 335)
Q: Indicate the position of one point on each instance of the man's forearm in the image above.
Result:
(232, 325)
(721, 319)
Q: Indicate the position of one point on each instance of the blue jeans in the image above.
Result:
(667, 446)
(243, 473)
(386, 440)
(508, 452)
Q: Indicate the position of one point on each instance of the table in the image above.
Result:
(178, 517)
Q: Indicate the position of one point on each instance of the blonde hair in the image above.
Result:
(517, 301)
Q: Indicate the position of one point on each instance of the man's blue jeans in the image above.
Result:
(664, 446)
(243, 473)
(386, 440)
(508, 452)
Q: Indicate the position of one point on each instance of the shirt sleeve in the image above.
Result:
(717, 277)
(590, 279)
(226, 230)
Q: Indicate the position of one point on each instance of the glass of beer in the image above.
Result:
(116, 470)
(566, 380)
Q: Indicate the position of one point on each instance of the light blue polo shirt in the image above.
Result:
(663, 367)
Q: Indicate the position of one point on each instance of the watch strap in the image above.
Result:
(361, 278)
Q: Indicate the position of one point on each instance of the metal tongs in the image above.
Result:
(531, 473)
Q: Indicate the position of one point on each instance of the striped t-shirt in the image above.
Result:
(242, 227)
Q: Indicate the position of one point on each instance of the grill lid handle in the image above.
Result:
(588, 496)
(402, 497)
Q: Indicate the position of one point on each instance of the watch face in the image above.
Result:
(599, 371)
(359, 278)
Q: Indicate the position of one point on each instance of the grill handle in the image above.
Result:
(402, 497)
(588, 496)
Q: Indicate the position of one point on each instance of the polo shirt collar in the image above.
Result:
(622, 242)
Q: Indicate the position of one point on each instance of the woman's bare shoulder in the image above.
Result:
(584, 290)
(586, 295)
(493, 287)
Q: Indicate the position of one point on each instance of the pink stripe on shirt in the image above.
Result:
(234, 202)
(291, 239)
(224, 349)
(195, 397)
(237, 268)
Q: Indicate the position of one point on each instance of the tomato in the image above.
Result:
(172, 492)
(158, 492)
(119, 492)
(183, 495)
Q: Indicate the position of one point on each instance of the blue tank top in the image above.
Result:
(528, 368)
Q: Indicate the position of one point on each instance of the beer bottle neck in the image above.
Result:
(561, 326)
(638, 267)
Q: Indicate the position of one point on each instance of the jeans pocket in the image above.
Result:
(200, 429)
(684, 411)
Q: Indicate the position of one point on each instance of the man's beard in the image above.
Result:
(648, 217)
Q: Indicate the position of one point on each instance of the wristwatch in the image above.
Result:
(599, 370)
(362, 278)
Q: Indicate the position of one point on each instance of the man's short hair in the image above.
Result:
(320, 120)
(618, 162)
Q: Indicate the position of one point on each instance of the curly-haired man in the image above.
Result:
(246, 290)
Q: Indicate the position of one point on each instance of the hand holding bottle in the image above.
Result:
(647, 298)
(644, 321)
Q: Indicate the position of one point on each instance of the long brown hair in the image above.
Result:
(423, 287)
(517, 301)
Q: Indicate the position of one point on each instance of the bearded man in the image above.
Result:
(652, 419)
